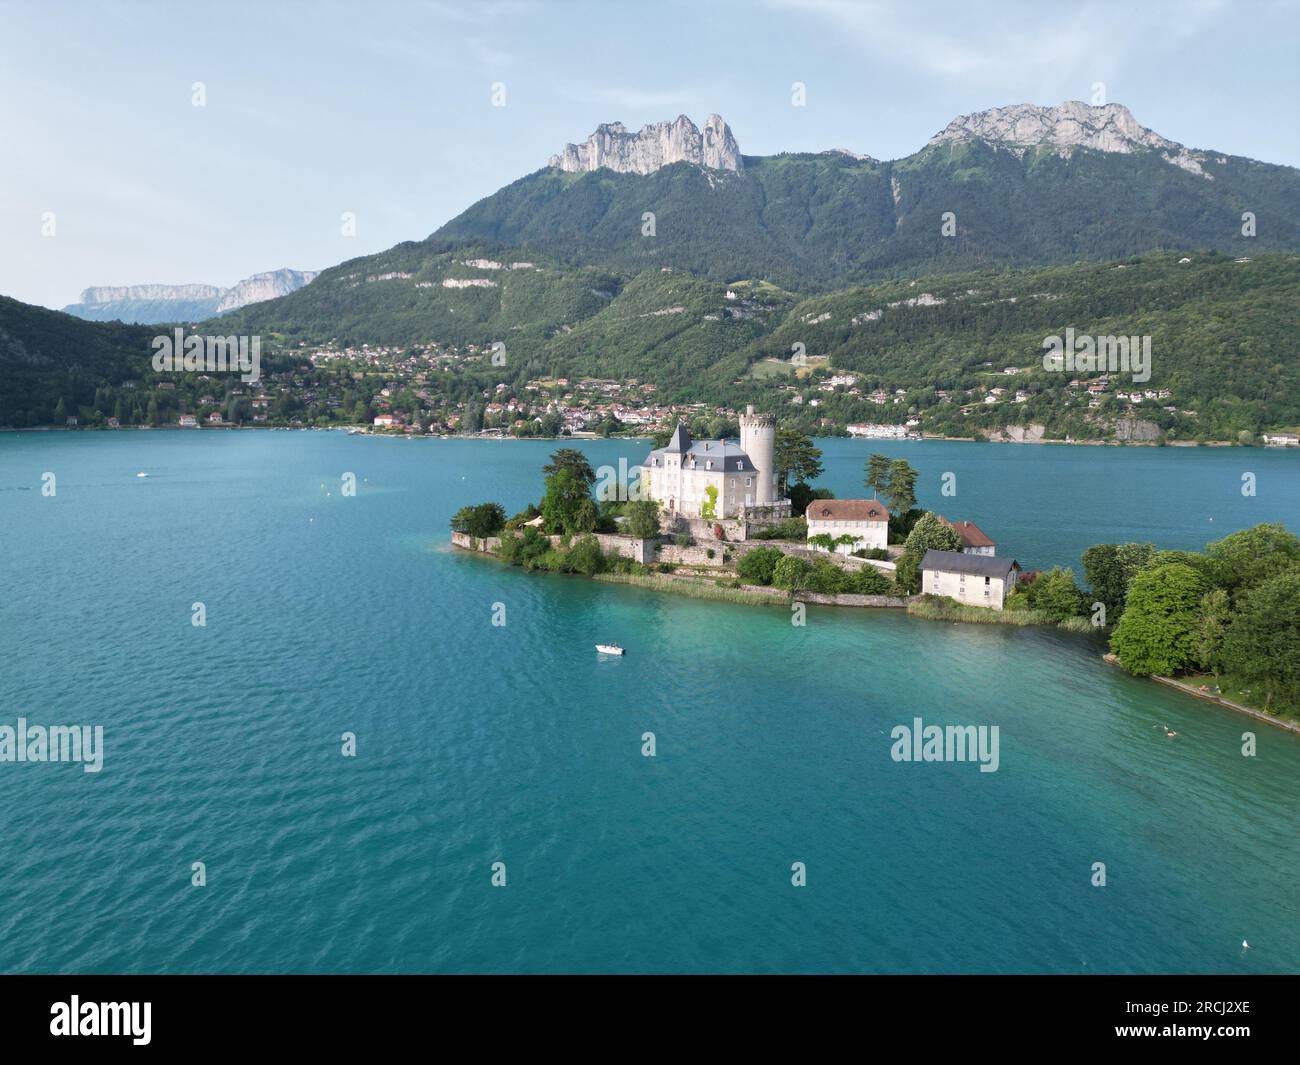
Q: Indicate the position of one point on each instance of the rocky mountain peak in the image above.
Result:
(166, 303)
(266, 286)
(1104, 128)
(658, 144)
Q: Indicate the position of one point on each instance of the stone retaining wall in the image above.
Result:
(849, 599)
(488, 545)
(626, 546)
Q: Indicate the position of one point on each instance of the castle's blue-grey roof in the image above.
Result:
(726, 455)
(681, 439)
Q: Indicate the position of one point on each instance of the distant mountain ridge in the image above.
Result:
(150, 304)
(1073, 124)
(1019, 185)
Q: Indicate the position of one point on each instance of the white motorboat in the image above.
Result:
(609, 648)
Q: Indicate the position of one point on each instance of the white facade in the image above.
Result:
(978, 581)
(966, 588)
(680, 476)
(867, 534)
(682, 487)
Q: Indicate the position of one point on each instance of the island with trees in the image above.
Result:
(1224, 622)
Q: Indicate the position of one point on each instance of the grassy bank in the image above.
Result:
(695, 589)
(939, 609)
(1232, 691)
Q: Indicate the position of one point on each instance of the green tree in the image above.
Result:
(573, 460)
(900, 494)
(585, 556)
(791, 573)
(1211, 628)
(796, 457)
(930, 534)
(1110, 568)
(1251, 556)
(642, 519)
(1055, 594)
(801, 495)
(566, 491)
(486, 519)
(758, 565)
(877, 474)
(907, 573)
(1155, 635)
(586, 518)
(1263, 644)
(869, 581)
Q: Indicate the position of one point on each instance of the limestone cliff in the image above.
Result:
(613, 146)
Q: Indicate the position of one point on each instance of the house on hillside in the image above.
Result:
(866, 520)
(973, 539)
(978, 580)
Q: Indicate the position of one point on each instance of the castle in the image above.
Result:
(718, 478)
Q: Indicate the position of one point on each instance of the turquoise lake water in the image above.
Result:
(478, 744)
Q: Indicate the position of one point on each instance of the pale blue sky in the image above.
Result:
(384, 109)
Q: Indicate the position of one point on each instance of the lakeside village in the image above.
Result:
(739, 521)
(430, 389)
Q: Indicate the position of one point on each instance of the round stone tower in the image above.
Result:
(758, 441)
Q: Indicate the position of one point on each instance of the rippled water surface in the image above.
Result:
(479, 744)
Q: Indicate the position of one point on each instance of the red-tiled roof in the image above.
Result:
(971, 534)
(847, 510)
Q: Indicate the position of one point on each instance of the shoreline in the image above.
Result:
(1258, 715)
(1188, 689)
(352, 430)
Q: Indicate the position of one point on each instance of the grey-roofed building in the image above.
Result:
(690, 476)
(980, 580)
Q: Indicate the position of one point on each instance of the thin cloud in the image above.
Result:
(1047, 47)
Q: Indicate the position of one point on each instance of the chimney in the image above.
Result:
(749, 408)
